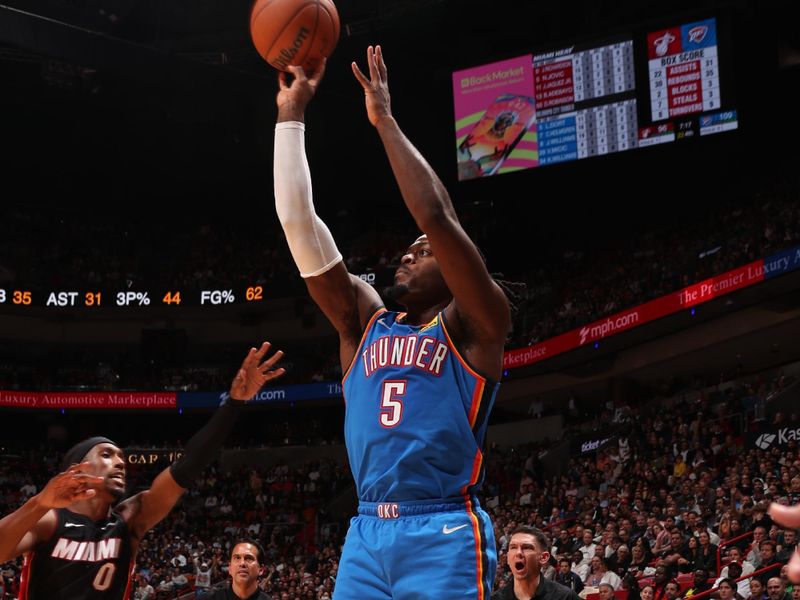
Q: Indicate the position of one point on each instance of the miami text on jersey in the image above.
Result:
(87, 551)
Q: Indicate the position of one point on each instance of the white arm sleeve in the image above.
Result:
(310, 240)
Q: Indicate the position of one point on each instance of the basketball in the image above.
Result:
(294, 32)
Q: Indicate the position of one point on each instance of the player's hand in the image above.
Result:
(293, 98)
(376, 88)
(788, 516)
(70, 486)
(253, 373)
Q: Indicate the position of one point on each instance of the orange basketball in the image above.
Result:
(294, 32)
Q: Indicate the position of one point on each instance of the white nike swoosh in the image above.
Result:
(73, 525)
(447, 530)
(380, 321)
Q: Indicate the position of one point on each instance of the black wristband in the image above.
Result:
(203, 446)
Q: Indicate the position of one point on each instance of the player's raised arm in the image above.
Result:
(147, 508)
(478, 299)
(346, 300)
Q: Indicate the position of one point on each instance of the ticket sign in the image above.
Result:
(683, 70)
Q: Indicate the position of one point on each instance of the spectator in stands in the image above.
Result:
(692, 555)
(727, 590)
(787, 546)
(630, 585)
(549, 569)
(735, 555)
(699, 583)
(620, 561)
(580, 568)
(202, 577)
(754, 556)
(567, 578)
(599, 573)
(565, 543)
(29, 489)
(675, 554)
(647, 592)
(679, 469)
(660, 579)
(144, 591)
(734, 573)
(736, 531)
(757, 589)
(180, 582)
(767, 550)
(659, 539)
(707, 555)
(776, 589)
(672, 591)
(605, 591)
(588, 548)
(639, 561)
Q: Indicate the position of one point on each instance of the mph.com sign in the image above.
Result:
(775, 437)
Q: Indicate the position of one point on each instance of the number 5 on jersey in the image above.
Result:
(391, 404)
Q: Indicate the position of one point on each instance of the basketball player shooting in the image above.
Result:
(78, 539)
(418, 384)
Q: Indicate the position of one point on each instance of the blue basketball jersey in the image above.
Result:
(416, 413)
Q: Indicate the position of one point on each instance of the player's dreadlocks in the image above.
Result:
(514, 291)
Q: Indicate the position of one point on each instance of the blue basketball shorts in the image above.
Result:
(421, 550)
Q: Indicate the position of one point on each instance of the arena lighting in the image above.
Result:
(596, 345)
(692, 312)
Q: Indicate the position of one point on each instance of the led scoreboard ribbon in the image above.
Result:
(130, 298)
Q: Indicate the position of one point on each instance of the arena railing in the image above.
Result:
(549, 526)
(729, 542)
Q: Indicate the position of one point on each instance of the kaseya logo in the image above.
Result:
(765, 440)
(779, 437)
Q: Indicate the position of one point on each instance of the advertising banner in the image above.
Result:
(495, 118)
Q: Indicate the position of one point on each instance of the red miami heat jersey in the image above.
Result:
(416, 413)
(83, 560)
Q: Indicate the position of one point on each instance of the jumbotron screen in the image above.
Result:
(588, 100)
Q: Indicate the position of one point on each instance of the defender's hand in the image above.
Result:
(253, 373)
(376, 88)
(70, 486)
